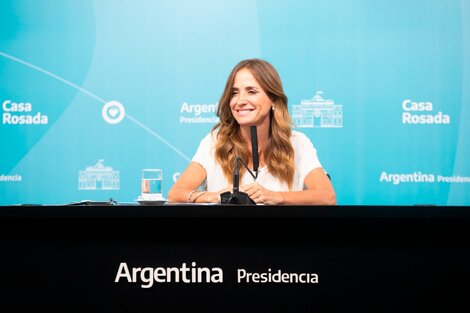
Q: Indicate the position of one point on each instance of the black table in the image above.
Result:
(297, 258)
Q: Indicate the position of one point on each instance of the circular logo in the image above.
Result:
(113, 112)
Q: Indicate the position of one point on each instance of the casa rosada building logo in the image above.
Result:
(98, 177)
(317, 113)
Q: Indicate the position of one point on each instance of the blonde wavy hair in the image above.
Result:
(279, 154)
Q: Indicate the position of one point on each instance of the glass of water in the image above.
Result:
(152, 183)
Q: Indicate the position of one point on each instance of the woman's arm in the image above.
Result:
(319, 192)
(185, 188)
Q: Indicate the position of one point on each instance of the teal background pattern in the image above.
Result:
(166, 62)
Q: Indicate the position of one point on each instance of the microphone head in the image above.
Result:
(254, 135)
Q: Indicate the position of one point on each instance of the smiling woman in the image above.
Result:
(290, 172)
(249, 104)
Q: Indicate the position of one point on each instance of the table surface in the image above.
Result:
(98, 209)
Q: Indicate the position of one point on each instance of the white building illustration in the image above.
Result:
(317, 112)
(98, 177)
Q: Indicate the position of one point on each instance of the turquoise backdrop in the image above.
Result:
(382, 88)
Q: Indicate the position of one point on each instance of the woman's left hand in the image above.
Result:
(259, 194)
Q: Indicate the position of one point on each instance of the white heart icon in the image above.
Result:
(113, 111)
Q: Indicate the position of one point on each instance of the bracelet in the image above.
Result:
(201, 192)
(190, 195)
(198, 195)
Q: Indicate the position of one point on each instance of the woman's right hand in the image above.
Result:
(213, 197)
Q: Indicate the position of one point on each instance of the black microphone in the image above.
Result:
(238, 197)
(236, 177)
(254, 149)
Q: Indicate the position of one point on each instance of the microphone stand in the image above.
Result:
(237, 196)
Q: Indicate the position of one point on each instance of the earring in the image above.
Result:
(272, 108)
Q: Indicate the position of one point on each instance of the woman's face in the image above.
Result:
(250, 105)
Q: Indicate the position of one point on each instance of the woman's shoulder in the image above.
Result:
(205, 148)
(299, 137)
(210, 138)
